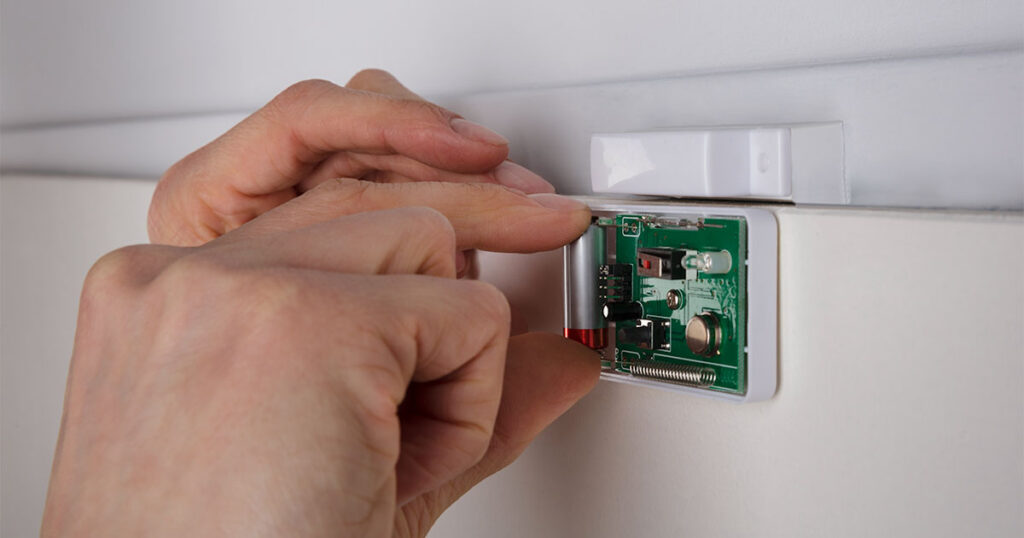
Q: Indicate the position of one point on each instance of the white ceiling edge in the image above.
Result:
(64, 60)
(942, 132)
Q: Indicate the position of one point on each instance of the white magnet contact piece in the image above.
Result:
(798, 163)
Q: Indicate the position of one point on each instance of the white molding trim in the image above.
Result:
(943, 132)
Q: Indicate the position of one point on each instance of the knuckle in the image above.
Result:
(118, 270)
(490, 301)
(344, 192)
(419, 516)
(499, 194)
(507, 446)
(369, 78)
(433, 236)
(305, 88)
(180, 169)
(193, 277)
(163, 219)
(299, 95)
(484, 430)
(429, 111)
(489, 195)
(431, 225)
(119, 261)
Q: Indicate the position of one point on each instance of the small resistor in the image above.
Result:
(670, 222)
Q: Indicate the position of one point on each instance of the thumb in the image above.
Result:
(545, 375)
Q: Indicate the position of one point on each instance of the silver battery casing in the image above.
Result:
(583, 260)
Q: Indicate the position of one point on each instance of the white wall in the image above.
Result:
(900, 409)
(67, 60)
(51, 232)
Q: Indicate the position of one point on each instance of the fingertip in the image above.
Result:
(566, 370)
(544, 376)
(558, 202)
(477, 149)
(451, 143)
(477, 133)
(498, 218)
(576, 213)
(519, 178)
(578, 361)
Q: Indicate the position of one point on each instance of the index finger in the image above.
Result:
(484, 216)
(259, 163)
(279, 144)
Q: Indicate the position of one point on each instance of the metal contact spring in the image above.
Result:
(694, 376)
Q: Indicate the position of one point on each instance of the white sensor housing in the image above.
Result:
(798, 163)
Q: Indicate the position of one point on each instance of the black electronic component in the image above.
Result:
(661, 263)
(623, 311)
(638, 335)
(646, 334)
(660, 334)
(615, 281)
(623, 270)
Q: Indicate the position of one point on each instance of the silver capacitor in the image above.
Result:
(584, 319)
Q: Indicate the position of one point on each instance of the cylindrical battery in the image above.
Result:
(584, 319)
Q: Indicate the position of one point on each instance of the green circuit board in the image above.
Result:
(698, 317)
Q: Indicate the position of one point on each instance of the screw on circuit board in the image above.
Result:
(674, 299)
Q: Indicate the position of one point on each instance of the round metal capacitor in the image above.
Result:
(704, 334)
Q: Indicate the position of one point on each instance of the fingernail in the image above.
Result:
(478, 132)
(515, 176)
(557, 202)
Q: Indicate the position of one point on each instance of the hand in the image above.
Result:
(309, 376)
(373, 129)
(271, 381)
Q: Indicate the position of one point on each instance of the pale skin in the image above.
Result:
(296, 354)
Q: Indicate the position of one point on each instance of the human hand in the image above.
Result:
(209, 385)
(374, 129)
(309, 376)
